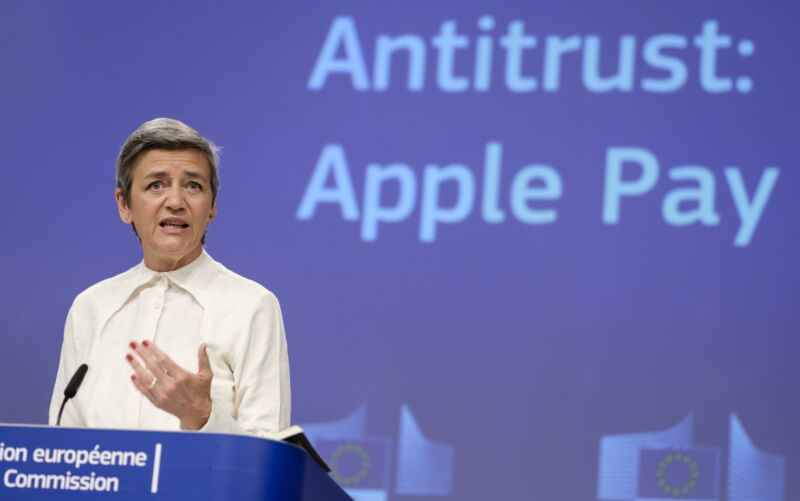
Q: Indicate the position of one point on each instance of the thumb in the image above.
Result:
(204, 365)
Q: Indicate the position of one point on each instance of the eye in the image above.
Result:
(155, 186)
(195, 186)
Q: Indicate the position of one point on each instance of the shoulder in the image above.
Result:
(94, 306)
(105, 291)
(234, 288)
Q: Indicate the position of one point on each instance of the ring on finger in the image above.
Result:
(152, 383)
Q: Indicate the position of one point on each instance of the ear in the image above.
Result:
(122, 206)
(213, 212)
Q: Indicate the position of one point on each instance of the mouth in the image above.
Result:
(173, 223)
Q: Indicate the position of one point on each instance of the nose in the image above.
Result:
(175, 201)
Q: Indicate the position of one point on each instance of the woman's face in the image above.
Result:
(170, 205)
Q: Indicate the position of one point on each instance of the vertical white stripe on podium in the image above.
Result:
(156, 469)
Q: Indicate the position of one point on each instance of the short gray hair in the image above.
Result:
(164, 134)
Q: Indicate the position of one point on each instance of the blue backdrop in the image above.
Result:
(524, 250)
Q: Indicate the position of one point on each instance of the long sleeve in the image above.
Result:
(67, 365)
(262, 399)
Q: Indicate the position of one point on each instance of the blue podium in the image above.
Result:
(39, 462)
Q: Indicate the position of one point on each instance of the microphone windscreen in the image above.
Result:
(75, 382)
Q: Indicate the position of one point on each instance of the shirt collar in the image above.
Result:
(195, 278)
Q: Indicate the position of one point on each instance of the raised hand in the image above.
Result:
(170, 387)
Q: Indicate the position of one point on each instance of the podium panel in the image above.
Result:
(38, 462)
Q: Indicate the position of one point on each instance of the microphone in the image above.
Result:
(72, 388)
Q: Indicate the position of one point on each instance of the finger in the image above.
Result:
(147, 383)
(165, 363)
(144, 389)
(148, 360)
(142, 372)
(157, 361)
(203, 363)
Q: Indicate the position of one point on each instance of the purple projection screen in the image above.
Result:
(524, 250)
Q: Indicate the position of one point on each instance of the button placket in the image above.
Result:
(158, 304)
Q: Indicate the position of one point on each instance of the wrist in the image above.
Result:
(199, 419)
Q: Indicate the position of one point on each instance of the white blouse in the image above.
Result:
(238, 319)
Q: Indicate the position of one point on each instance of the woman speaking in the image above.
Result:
(178, 341)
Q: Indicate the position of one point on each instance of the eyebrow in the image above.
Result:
(161, 174)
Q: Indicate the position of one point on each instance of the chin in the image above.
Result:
(174, 252)
(179, 253)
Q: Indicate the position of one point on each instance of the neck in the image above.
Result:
(168, 263)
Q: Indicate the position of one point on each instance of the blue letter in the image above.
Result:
(616, 188)
(343, 32)
(515, 43)
(490, 208)
(703, 195)
(447, 41)
(431, 213)
(708, 42)
(750, 211)
(331, 160)
(623, 80)
(374, 212)
(523, 190)
(673, 65)
(555, 47)
(385, 47)
(483, 56)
